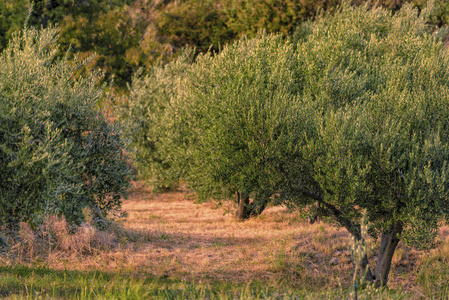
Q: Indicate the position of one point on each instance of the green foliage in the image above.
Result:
(196, 23)
(275, 16)
(106, 35)
(12, 16)
(93, 27)
(157, 132)
(58, 153)
(86, 27)
(206, 24)
(222, 123)
(46, 12)
(245, 115)
(354, 116)
(378, 84)
(129, 34)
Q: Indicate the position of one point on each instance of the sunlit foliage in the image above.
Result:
(58, 153)
(353, 116)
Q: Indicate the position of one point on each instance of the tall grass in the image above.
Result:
(55, 238)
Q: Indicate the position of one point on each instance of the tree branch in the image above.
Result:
(354, 229)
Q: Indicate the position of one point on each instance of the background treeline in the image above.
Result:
(129, 34)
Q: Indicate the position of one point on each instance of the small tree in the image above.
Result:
(58, 154)
(244, 115)
(159, 136)
(221, 124)
(378, 85)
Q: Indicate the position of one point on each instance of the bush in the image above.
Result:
(58, 153)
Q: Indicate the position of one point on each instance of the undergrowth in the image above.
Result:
(22, 282)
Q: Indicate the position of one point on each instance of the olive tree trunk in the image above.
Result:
(246, 209)
(315, 216)
(388, 243)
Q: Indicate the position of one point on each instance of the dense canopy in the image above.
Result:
(353, 115)
(58, 152)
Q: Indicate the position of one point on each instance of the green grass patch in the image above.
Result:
(22, 282)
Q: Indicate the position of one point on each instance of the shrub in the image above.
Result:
(58, 153)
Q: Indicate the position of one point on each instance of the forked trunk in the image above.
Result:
(245, 209)
(388, 243)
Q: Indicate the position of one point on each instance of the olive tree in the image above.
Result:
(221, 124)
(244, 114)
(379, 87)
(58, 152)
(158, 135)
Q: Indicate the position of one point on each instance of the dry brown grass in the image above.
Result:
(169, 235)
(53, 242)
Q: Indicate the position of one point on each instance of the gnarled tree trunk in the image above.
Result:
(242, 210)
(316, 216)
(388, 243)
(246, 209)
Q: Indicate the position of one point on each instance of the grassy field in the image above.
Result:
(170, 247)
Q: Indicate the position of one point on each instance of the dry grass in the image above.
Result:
(179, 238)
(54, 242)
(170, 236)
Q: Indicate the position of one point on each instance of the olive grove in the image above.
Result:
(353, 116)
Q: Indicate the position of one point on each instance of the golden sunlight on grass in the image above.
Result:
(170, 236)
(176, 237)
